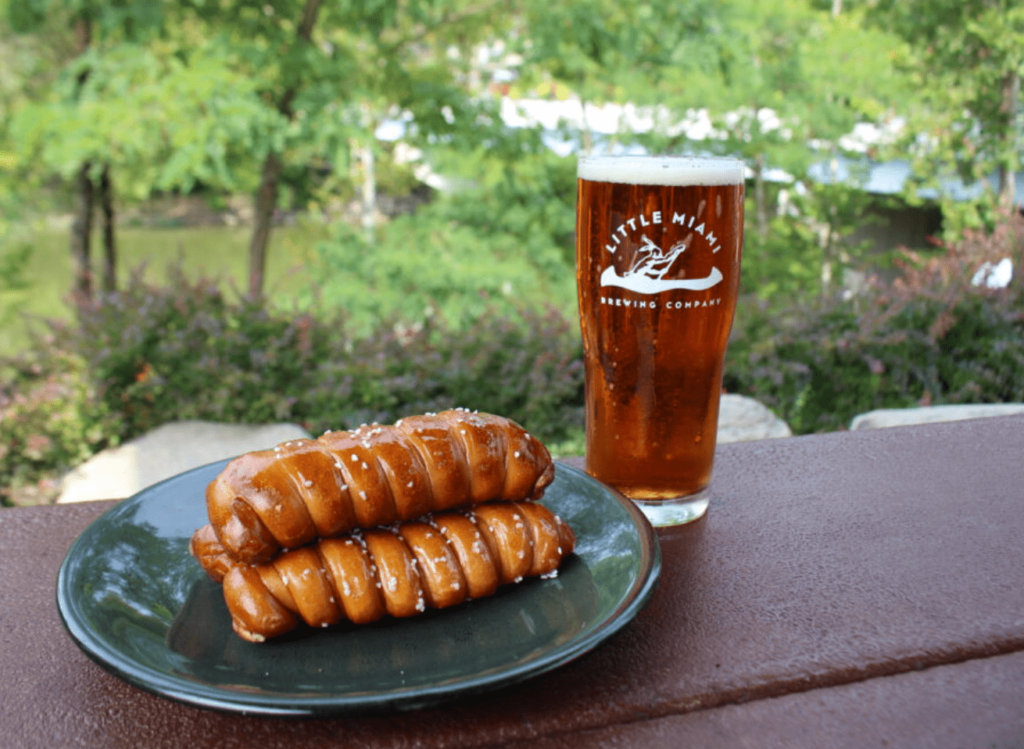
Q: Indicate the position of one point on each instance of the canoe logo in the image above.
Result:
(646, 273)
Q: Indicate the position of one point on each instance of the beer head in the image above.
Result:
(661, 170)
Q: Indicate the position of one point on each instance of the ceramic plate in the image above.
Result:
(138, 604)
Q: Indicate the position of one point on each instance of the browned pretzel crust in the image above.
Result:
(270, 500)
(435, 562)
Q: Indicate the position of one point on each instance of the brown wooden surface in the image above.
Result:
(846, 589)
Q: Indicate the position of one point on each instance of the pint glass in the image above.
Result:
(658, 243)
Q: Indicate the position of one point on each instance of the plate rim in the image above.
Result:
(203, 695)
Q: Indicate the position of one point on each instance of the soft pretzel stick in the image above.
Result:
(376, 475)
(435, 562)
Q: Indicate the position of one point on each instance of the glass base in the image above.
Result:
(669, 512)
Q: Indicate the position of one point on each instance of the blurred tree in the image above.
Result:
(602, 51)
(19, 62)
(968, 59)
(238, 95)
(125, 95)
(334, 72)
(776, 82)
(31, 16)
(502, 241)
(782, 83)
(290, 38)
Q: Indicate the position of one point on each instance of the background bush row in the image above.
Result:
(185, 350)
(934, 334)
(148, 355)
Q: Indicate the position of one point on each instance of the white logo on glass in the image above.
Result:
(646, 275)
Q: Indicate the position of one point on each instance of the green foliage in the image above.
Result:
(25, 16)
(527, 366)
(434, 308)
(600, 48)
(967, 57)
(15, 251)
(781, 81)
(811, 242)
(218, 252)
(149, 355)
(196, 94)
(780, 85)
(527, 199)
(159, 123)
(783, 263)
(16, 255)
(930, 337)
(13, 262)
(502, 239)
(188, 350)
(50, 421)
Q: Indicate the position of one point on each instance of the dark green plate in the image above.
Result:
(138, 604)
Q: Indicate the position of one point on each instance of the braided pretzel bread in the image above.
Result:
(301, 490)
(438, 561)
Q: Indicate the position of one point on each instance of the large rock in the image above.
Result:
(741, 419)
(896, 417)
(174, 448)
(164, 452)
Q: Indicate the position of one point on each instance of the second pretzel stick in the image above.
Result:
(436, 562)
(376, 475)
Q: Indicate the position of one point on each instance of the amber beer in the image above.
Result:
(658, 244)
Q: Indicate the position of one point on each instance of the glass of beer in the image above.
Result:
(658, 242)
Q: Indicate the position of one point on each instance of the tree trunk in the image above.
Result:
(367, 178)
(586, 136)
(1007, 187)
(1007, 177)
(81, 225)
(109, 243)
(827, 264)
(266, 205)
(369, 191)
(267, 194)
(760, 199)
(828, 232)
(81, 238)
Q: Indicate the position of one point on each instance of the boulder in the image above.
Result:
(895, 417)
(181, 446)
(164, 452)
(741, 419)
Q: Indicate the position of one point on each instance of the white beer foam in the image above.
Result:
(674, 171)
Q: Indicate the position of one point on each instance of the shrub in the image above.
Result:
(186, 352)
(50, 420)
(527, 366)
(505, 238)
(931, 336)
(149, 355)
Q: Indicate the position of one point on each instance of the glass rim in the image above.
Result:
(663, 170)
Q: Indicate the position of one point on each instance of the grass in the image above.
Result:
(210, 252)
